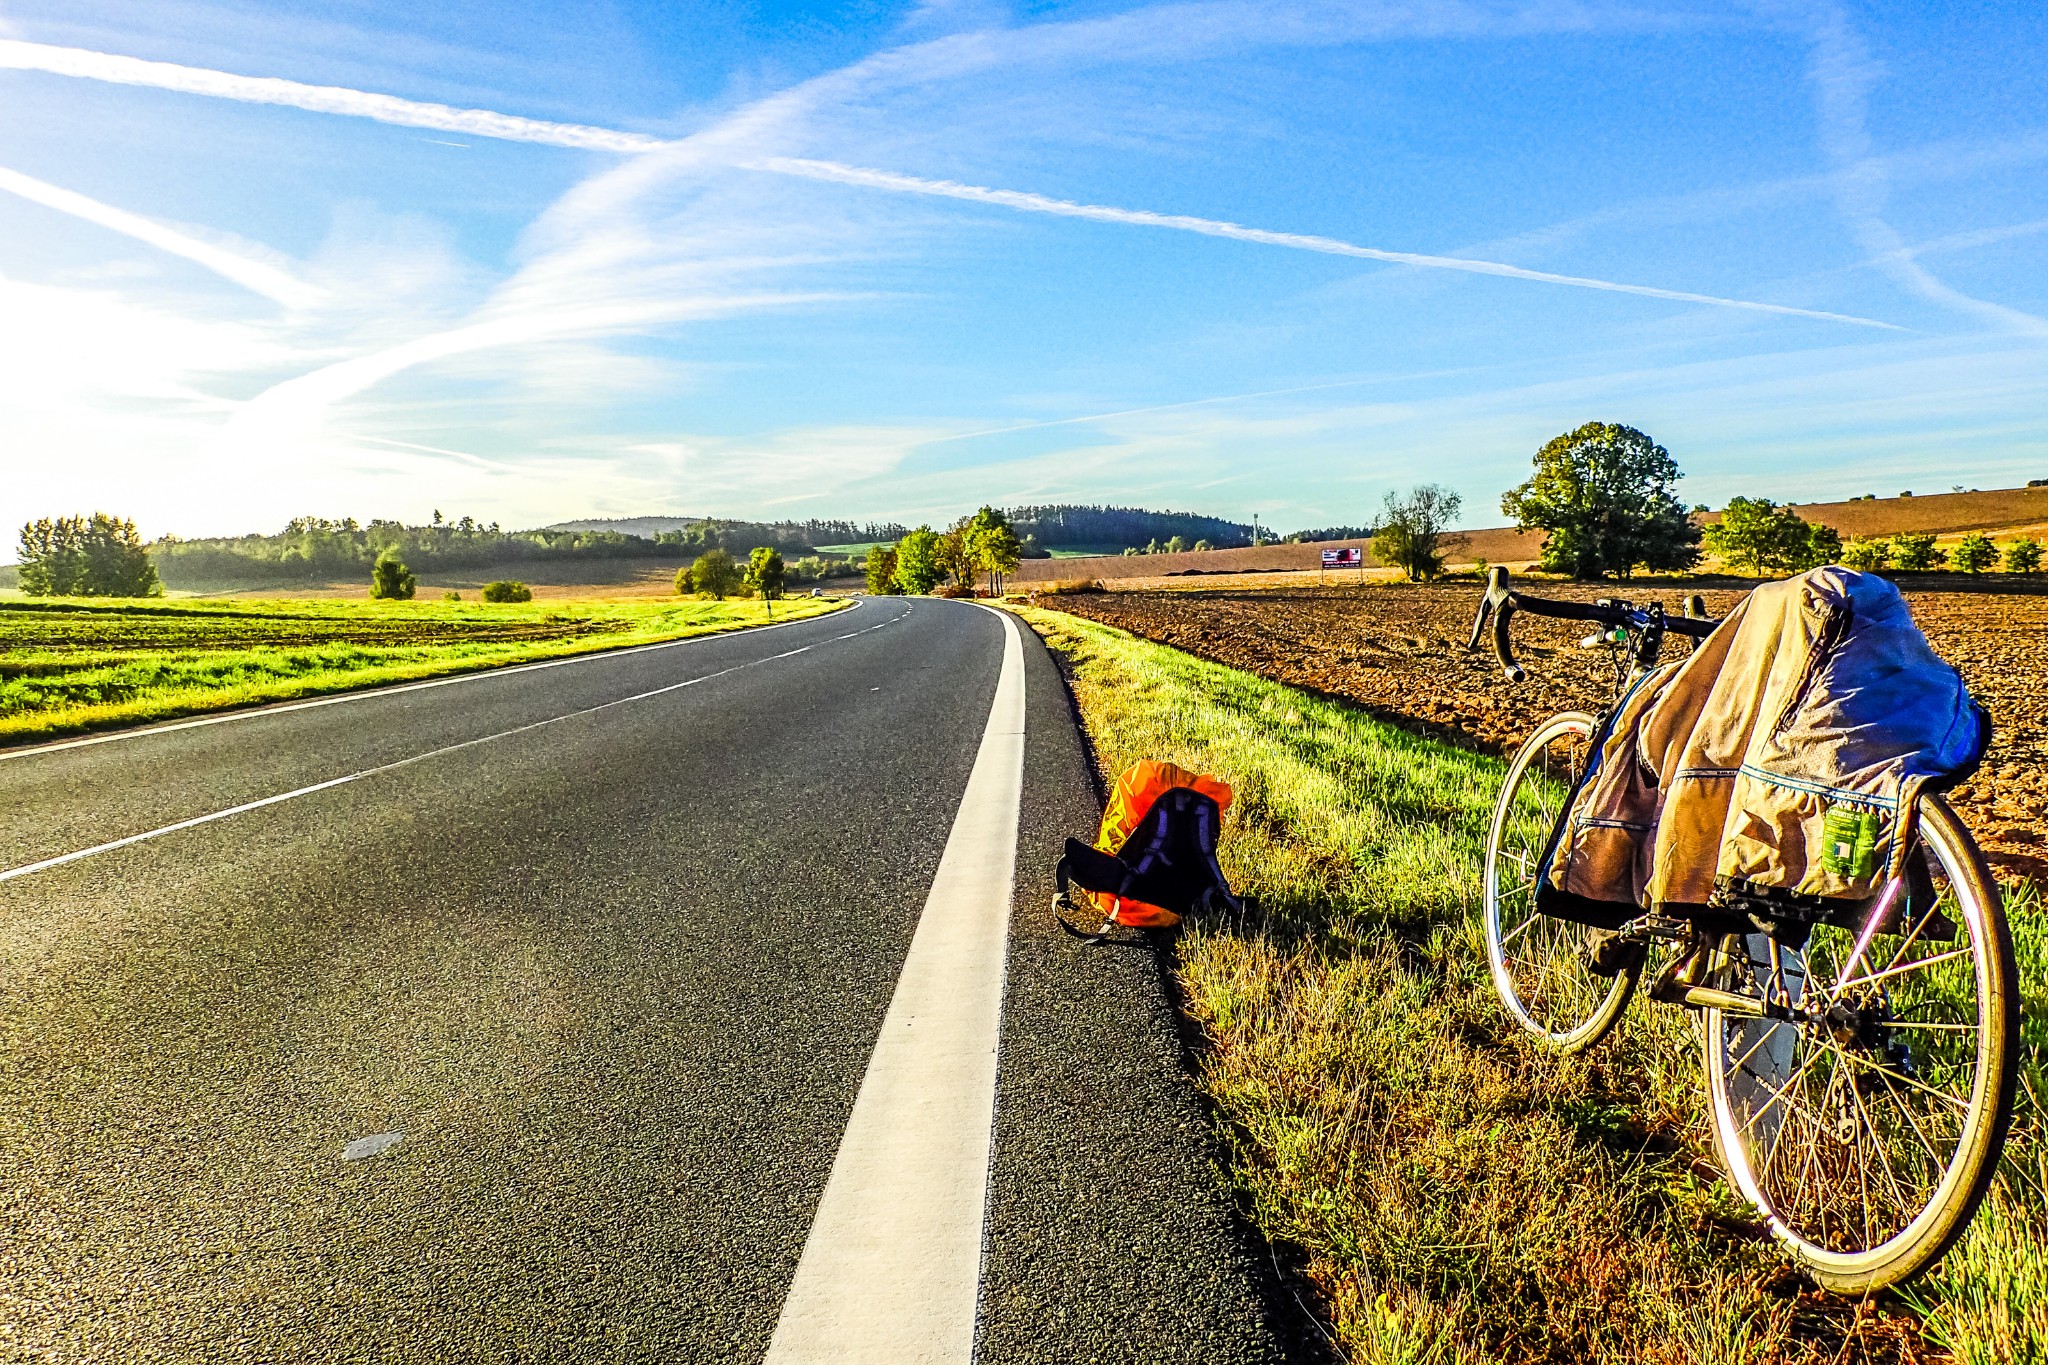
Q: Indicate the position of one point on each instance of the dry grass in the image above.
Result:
(1456, 1195)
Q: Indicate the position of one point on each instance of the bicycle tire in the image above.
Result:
(1904, 1240)
(1541, 952)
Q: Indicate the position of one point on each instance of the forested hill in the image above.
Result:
(316, 550)
(810, 533)
(1066, 525)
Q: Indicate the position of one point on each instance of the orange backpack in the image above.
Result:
(1154, 857)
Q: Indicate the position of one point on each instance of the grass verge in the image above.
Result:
(1456, 1195)
(69, 665)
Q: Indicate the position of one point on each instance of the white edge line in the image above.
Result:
(78, 855)
(394, 689)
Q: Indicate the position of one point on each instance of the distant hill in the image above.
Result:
(645, 527)
(1060, 526)
(810, 533)
(1995, 509)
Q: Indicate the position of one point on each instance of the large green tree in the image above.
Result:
(1604, 494)
(1414, 531)
(766, 573)
(1760, 534)
(881, 570)
(917, 561)
(714, 574)
(96, 556)
(992, 546)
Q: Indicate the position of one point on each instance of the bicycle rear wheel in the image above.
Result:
(1540, 964)
(1867, 1130)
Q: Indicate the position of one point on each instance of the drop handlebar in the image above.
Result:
(1501, 602)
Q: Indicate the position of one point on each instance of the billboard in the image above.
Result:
(1350, 557)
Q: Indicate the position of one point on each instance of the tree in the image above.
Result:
(1415, 530)
(1823, 546)
(2023, 556)
(713, 572)
(1975, 553)
(1603, 493)
(766, 572)
(97, 556)
(1867, 554)
(955, 558)
(391, 580)
(1761, 534)
(506, 590)
(992, 546)
(917, 561)
(881, 570)
(1917, 551)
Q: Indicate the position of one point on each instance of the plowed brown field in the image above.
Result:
(1399, 651)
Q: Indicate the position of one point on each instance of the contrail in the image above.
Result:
(1210, 227)
(330, 99)
(264, 279)
(320, 99)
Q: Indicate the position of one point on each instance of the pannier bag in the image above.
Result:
(1771, 778)
(1154, 857)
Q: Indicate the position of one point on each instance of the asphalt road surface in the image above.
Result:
(608, 946)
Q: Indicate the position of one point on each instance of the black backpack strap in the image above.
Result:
(1093, 870)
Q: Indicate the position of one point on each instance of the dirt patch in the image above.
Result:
(1399, 651)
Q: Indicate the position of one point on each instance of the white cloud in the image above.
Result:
(322, 99)
(1843, 74)
(1210, 227)
(262, 277)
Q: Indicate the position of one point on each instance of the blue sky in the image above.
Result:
(898, 260)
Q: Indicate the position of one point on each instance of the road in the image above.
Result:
(609, 945)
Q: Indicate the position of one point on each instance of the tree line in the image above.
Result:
(948, 563)
(317, 549)
(1604, 495)
(1071, 525)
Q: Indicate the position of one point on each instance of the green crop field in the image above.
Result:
(69, 665)
(1453, 1194)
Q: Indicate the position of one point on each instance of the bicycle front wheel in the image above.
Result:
(1541, 965)
(1867, 1128)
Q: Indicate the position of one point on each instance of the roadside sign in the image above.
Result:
(1348, 557)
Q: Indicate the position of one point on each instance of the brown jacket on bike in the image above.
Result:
(1780, 762)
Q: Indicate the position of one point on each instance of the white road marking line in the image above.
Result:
(375, 693)
(891, 1270)
(26, 869)
(364, 1148)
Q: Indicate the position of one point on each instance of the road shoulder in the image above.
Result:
(1111, 1235)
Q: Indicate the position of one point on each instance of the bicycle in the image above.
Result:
(1860, 1109)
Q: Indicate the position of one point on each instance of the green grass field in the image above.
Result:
(68, 665)
(1457, 1196)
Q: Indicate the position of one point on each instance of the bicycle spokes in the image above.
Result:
(1858, 1122)
(1540, 964)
